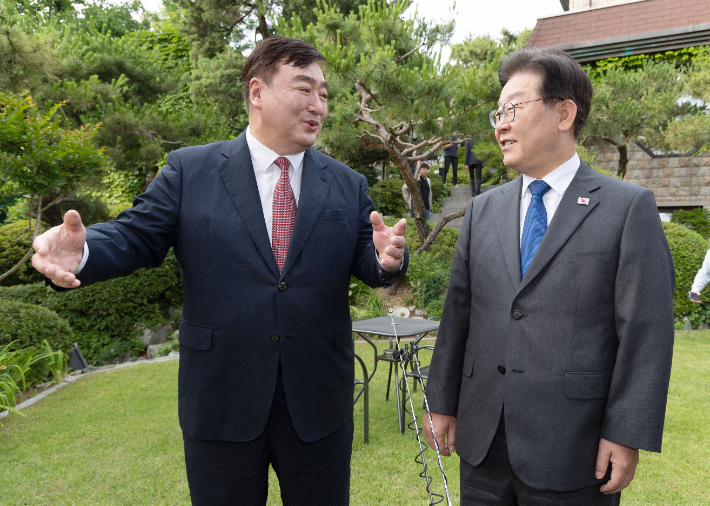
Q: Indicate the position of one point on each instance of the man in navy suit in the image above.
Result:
(266, 351)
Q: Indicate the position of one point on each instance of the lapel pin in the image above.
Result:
(582, 201)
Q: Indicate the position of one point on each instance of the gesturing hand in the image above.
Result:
(389, 241)
(623, 465)
(445, 431)
(59, 251)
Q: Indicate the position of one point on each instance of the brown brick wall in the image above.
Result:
(618, 20)
(676, 181)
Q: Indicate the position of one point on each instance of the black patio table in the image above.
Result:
(405, 327)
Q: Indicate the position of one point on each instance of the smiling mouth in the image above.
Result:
(507, 143)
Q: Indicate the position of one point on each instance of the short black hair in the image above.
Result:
(273, 51)
(422, 165)
(561, 78)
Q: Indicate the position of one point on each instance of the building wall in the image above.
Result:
(677, 181)
(575, 5)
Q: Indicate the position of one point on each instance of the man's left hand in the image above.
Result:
(389, 241)
(623, 462)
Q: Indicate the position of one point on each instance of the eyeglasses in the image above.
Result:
(508, 111)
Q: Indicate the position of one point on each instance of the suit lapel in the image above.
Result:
(508, 210)
(237, 173)
(567, 218)
(315, 183)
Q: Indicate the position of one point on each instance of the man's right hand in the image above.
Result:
(445, 430)
(697, 301)
(59, 251)
(466, 167)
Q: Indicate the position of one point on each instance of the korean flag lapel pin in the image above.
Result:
(582, 201)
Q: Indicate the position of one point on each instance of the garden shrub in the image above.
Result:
(697, 219)
(688, 249)
(104, 315)
(15, 240)
(438, 192)
(388, 199)
(27, 325)
(429, 277)
(364, 301)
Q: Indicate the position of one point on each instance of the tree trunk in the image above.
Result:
(623, 158)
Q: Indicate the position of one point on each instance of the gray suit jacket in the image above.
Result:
(579, 349)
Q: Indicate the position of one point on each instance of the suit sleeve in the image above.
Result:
(140, 236)
(645, 281)
(444, 383)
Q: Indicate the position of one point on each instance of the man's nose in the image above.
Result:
(317, 106)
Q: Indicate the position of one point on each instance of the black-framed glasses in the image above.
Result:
(508, 111)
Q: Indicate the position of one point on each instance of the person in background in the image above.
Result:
(424, 189)
(702, 278)
(474, 166)
(451, 158)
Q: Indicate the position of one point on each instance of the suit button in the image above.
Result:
(275, 338)
(282, 286)
(517, 315)
(501, 369)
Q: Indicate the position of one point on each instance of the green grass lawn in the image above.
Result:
(113, 439)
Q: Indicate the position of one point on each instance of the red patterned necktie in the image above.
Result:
(283, 213)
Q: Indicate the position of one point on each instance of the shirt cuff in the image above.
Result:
(384, 269)
(84, 258)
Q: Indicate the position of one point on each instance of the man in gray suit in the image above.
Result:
(553, 359)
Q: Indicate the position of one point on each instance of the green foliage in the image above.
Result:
(104, 316)
(38, 156)
(167, 347)
(364, 301)
(387, 196)
(25, 368)
(15, 241)
(633, 105)
(697, 219)
(443, 246)
(28, 325)
(682, 56)
(429, 277)
(438, 192)
(476, 50)
(688, 249)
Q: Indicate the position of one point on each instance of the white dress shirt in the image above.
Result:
(559, 180)
(268, 173)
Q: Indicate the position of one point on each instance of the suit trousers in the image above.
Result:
(223, 473)
(494, 483)
(476, 173)
(452, 161)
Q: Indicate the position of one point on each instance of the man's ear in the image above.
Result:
(568, 112)
(256, 86)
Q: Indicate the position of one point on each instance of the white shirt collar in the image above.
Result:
(560, 178)
(265, 157)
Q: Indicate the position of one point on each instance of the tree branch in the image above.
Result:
(399, 59)
(31, 250)
(152, 136)
(444, 220)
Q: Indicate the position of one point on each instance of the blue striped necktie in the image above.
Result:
(535, 225)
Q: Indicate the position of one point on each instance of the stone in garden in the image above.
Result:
(152, 350)
(401, 312)
(158, 336)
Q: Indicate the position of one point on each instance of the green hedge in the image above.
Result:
(688, 249)
(28, 325)
(15, 240)
(388, 199)
(104, 316)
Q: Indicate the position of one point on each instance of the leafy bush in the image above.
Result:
(438, 192)
(15, 241)
(388, 199)
(697, 219)
(103, 316)
(688, 249)
(28, 325)
(429, 277)
(364, 301)
(21, 369)
(167, 347)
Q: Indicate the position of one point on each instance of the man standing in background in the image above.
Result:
(451, 158)
(474, 166)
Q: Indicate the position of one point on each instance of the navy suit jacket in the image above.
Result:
(240, 316)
